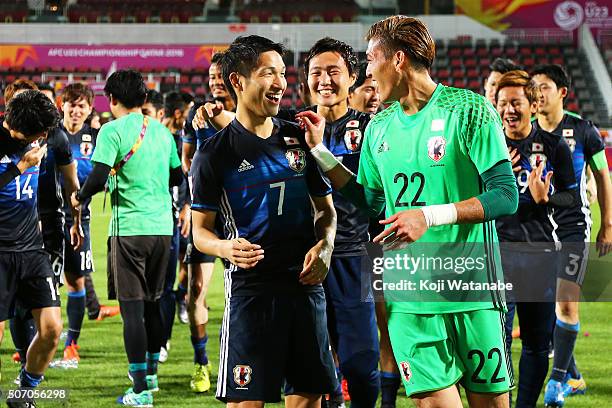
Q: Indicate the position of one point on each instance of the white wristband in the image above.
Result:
(324, 158)
(443, 214)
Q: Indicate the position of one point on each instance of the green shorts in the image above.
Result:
(435, 351)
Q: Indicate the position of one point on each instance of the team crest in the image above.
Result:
(86, 148)
(406, 372)
(242, 375)
(352, 139)
(296, 159)
(436, 148)
(537, 158)
(571, 142)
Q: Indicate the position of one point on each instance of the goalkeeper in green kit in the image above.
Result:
(436, 157)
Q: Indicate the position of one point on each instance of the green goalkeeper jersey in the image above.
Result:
(433, 157)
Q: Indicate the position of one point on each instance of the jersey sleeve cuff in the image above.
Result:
(204, 207)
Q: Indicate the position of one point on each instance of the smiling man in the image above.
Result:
(533, 265)
(363, 95)
(437, 158)
(253, 184)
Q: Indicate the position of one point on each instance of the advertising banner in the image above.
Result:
(102, 57)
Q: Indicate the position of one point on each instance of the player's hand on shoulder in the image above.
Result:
(539, 188)
(206, 112)
(313, 126)
(515, 157)
(316, 264)
(32, 158)
(404, 227)
(242, 253)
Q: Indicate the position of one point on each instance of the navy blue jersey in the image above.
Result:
(18, 209)
(533, 222)
(82, 144)
(59, 153)
(261, 190)
(343, 138)
(584, 141)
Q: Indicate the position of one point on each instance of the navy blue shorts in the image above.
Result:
(193, 256)
(26, 283)
(351, 318)
(271, 340)
(55, 245)
(79, 262)
(574, 256)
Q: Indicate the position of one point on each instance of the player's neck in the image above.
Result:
(521, 134)
(420, 89)
(549, 121)
(121, 111)
(333, 113)
(73, 128)
(259, 125)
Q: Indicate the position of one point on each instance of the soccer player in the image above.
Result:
(532, 264)
(26, 276)
(363, 94)
(276, 223)
(176, 109)
(436, 157)
(498, 67)
(587, 149)
(141, 224)
(58, 163)
(200, 266)
(77, 99)
(331, 68)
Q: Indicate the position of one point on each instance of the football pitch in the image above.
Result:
(102, 373)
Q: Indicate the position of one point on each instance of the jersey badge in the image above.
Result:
(536, 158)
(568, 132)
(86, 137)
(352, 124)
(571, 142)
(436, 148)
(352, 139)
(242, 375)
(86, 148)
(406, 372)
(296, 159)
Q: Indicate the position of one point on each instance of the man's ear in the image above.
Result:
(113, 100)
(564, 91)
(353, 79)
(400, 60)
(235, 81)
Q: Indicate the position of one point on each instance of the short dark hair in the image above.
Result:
(503, 65)
(361, 76)
(242, 57)
(155, 98)
(555, 72)
(77, 90)
(128, 87)
(216, 58)
(406, 34)
(31, 112)
(328, 44)
(46, 87)
(172, 101)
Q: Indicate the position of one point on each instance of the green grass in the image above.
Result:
(101, 376)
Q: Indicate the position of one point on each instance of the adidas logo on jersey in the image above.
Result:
(384, 147)
(244, 166)
(5, 159)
